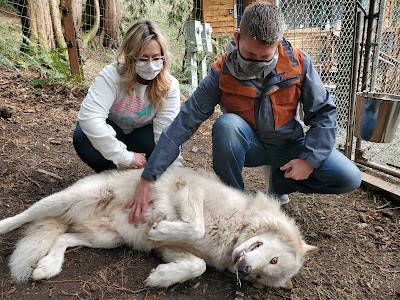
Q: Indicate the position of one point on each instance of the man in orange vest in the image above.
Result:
(259, 83)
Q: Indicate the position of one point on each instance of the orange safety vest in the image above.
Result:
(239, 99)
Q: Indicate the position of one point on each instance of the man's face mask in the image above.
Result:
(149, 68)
(257, 68)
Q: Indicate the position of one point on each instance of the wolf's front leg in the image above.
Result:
(188, 202)
(181, 266)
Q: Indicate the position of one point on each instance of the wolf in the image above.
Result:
(195, 220)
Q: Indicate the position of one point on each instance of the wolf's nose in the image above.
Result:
(245, 270)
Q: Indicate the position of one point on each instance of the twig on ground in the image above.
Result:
(100, 285)
(33, 136)
(383, 206)
(386, 208)
(73, 249)
(31, 180)
(50, 174)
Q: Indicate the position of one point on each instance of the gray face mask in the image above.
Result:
(244, 69)
(259, 69)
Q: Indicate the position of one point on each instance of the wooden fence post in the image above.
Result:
(65, 6)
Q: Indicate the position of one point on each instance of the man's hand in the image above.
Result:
(140, 202)
(297, 169)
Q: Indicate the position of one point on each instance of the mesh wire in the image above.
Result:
(383, 76)
(324, 29)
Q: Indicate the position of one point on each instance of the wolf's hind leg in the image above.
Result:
(181, 266)
(190, 227)
(51, 264)
(50, 206)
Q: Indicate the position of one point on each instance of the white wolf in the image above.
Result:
(195, 220)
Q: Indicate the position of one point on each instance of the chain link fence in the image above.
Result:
(324, 29)
(382, 73)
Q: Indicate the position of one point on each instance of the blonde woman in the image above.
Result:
(129, 104)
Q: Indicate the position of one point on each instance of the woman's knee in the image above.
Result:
(78, 137)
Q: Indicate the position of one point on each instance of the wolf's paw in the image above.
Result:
(160, 277)
(7, 225)
(159, 232)
(47, 267)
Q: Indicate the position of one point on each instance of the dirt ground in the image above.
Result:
(358, 234)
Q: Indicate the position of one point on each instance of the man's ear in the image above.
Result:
(236, 36)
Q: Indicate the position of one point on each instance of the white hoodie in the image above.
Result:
(107, 99)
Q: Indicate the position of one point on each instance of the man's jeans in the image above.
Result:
(140, 140)
(235, 146)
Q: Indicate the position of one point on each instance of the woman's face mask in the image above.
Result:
(149, 68)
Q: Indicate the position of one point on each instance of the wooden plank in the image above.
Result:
(209, 3)
(218, 13)
(225, 30)
(390, 190)
(225, 6)
(223, 25)
(227, 18)
(70, 39)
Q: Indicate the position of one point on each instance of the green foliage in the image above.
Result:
(8, 3)
(176, 12)
(180, 12)
(50, 63)
(170, 15)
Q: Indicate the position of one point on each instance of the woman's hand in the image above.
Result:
(139, 161)
(140, 202)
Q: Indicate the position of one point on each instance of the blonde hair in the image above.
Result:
(262, 21)
(135, 40)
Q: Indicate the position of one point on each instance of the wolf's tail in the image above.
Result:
(38, 239)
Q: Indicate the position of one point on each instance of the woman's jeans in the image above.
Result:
(140, 140)
(235, 146)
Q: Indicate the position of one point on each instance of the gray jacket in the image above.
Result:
(319, 115)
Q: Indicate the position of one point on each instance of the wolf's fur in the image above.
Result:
(195, 220)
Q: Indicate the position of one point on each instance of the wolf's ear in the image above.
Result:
(308, 249)
(288, 285)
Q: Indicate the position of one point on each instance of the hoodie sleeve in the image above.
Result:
(94, 112)
(319, 114)
(198, 108)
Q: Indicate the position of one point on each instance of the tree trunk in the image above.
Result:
(40, 24)
(112, 13)
(56, 21)
(77, 13)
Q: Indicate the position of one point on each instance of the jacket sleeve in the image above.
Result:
(167, 113)
(319, 114)
(198, 108)
(168, 110)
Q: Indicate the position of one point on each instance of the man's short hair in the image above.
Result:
(262, 21)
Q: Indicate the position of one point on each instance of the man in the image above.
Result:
(259, 84)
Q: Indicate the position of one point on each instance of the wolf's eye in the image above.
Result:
(274, 261)
(258, 276)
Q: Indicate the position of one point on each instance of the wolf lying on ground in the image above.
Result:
(195, 220)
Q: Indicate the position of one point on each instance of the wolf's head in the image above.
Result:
(270, 250)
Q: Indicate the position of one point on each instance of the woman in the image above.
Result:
(129, 104)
